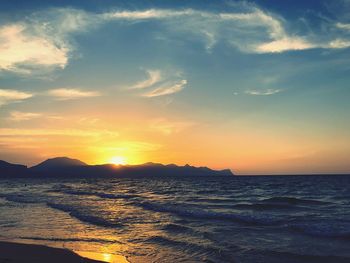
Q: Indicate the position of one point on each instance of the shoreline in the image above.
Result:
(14, 252)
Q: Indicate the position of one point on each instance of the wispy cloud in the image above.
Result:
(339, 43)
(168, 127)
(167, 89)
(343, 26)
(252, 24)
(23, 116)
(250, 29)
(69, 94)
(263, 92)
(44, 40)
(88, 121)
(20, 51)
(160, 83)
(284, 44)
(154, 76)
(148, 14)
(9, 96)
(56, 132)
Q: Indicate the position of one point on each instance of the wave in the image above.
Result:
(8, 225)
(210, 200)
(94, 220)
(327, 230)
(276, 203)
(176, 228)
(6, 203)
(203, 253)
(98, 194)
(206, 192)
(19, 198)
(260, 206)
(95, 240)
(75, 192)
(291, 257)
(166, 241)
(116, 196)
(293, 201)
(180, 210)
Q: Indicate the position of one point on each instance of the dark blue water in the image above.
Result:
(184, 219)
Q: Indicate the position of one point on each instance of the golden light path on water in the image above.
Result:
(106, 257)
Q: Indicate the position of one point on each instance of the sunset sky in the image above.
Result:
(258, 87)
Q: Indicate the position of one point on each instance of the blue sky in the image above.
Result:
(259, 87)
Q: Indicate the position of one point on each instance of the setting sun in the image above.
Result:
(118, 160)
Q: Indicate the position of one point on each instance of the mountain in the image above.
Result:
(9, 169)
(67, 167)
(58, 162)
(171, 169)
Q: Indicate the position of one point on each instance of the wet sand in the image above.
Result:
(24, 253)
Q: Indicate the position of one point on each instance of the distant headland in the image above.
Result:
(67, 167)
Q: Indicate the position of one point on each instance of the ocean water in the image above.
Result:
(184, 219)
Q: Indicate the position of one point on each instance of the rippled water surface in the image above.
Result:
(185, 219)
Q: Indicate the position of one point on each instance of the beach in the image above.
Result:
(16, 252)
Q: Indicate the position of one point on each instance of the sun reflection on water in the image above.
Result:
(106, 257)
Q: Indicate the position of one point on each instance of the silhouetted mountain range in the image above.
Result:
(57, 163)
(9, 169)
(67, 167)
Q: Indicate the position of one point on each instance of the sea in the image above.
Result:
(184, 219)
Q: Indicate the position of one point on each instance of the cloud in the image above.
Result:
(20, 51)
(284, 44)
(148, 14)
(250, 29)
(343, 26)
(9, 96)
(161, 83)
(167, 89)
(167, 127)
(44, 40)
(26, 116)
(154, 76)
(267, 33)
(339, 43)
(56, 132)
(68, 94)
(263, 92)
(23, 116)
(88, 121)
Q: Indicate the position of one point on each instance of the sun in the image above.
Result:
(118, 160)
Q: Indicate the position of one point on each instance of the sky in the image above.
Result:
(260, 87)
